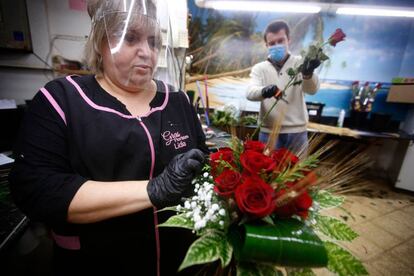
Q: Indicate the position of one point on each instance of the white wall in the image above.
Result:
(55, 30)
(22, 84)
(68, 29)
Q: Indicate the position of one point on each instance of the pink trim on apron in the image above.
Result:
(157, 235)
(66, 242)
(107, 109)
(54, 104)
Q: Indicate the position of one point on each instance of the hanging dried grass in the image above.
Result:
(339, 170)
(277, 125)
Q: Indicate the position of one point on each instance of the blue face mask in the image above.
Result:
(277, 52)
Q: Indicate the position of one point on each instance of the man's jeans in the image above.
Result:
(292, 141)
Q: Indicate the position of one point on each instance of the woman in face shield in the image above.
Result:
(99, 154)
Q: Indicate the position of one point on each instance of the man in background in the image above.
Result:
(268, 78)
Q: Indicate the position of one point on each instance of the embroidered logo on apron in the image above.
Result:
(174, 138)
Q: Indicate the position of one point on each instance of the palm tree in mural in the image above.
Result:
(300, 26)
(224, 45)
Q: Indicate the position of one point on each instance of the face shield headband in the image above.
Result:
(138, 49)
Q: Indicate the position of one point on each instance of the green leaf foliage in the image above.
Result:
(296, 172)
(335, 228)
(323, 56)
(303, 52)
(313, 52)
(222, 118)
(209, 248)
(299, 272)
(248, 120)
(342, 262)
(170, 208)
(327, 200)
(268, 220)
(178, 221)
(256, 269)
(291, 72)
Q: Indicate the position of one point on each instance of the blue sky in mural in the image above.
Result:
(376, 49)
(407, 67)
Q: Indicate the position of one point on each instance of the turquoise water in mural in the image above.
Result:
(339, 98)
(336, 95)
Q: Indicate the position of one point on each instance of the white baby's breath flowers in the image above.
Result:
(315, 206)
(204, 209)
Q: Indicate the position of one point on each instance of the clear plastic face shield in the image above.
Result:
(139, 46)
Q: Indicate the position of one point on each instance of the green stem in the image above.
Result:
(277, 100)
(326, 42)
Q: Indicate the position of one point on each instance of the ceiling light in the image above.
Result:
(267, 6)
(375, 12)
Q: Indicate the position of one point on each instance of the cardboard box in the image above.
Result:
(401, 93)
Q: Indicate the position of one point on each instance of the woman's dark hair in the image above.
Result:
(275, 27)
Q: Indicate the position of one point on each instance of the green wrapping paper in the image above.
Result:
(287, 243)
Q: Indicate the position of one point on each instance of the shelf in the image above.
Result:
(73, 72)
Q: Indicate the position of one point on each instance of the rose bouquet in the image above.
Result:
(256, 209)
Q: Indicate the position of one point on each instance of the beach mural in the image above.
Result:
(225, 44)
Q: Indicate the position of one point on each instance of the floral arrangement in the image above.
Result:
(259, 210)
(230, 115)
(256, 211)
(363, 97)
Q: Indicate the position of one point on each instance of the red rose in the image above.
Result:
(303, 202)
(336, 37)
(284, 158)
(285, 211)
(227, 182)
(255, 198)
(225, 154)
(256, 162)
(299, 206)
(309, 179)
(254, 145)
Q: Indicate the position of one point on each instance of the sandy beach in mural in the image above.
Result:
(335, 86)
(227, 90)
(335, 94)
(232, 90)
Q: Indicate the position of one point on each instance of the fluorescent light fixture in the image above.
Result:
(267, 6)
(305, 7)
(376, 11)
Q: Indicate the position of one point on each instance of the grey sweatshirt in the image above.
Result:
(295, 112)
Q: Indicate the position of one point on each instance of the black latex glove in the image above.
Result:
(309, 65)
(269, 91)
(167, 188)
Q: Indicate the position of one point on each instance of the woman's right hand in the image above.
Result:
(167, 188)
